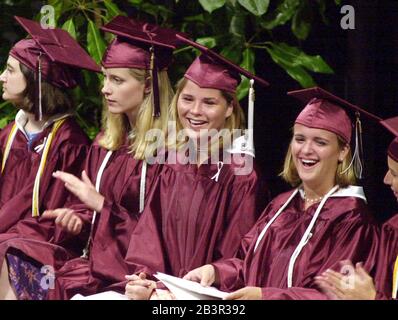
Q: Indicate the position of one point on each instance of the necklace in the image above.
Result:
(312, 201)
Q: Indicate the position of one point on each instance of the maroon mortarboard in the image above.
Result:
(211, 70)
(132, 48)
(391, 125)
(59, 53)
(53, 55)
(325, 110)
(122, 54)
(140, 45)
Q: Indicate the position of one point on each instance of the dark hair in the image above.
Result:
(53, 99)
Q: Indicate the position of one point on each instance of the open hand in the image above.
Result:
(82, 188)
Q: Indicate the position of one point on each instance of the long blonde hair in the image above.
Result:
(344, 176)
(235, 121)
(116, 126)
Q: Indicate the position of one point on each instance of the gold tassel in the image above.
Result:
(395, 279)
(43, 160)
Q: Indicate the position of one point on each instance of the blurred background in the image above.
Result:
(290, 43)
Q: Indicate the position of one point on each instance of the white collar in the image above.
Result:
(350, 191)
(21, 119)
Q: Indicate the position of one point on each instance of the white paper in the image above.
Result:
(189, 290)
(107, 295)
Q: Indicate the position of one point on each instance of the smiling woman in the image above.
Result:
(199, 110)
(309, 229)
(202, 108)
(199, 210)
(318, 159)
(316, 154)
(319, 155)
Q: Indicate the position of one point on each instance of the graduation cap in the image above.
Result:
(140, 45)
(326, 111)
(211, 70)
(391, 125)
(57, 49)
(53, 55)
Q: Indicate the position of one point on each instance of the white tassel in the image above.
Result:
(40, 105)
(250, 115)
(97, 188)
(142, 185)
(356, 160)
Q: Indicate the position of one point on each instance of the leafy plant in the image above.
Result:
(241, 30)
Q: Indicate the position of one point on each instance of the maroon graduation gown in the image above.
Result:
(343, 230)
(388, 252)
(18, 228)
(120, 185)
(192, 219)
(67, 153)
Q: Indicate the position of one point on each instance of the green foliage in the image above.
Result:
(301, 21)
(209, 42)
(70, 27)
(112, 10)
(297, 63)
(248, 64)
(95, 44)
(281, 15)
(256, 7)
(8, 113)
(211, 5)
(244, 31)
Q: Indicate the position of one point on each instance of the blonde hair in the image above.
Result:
(344, 176)
(235, 121)
(116, 126)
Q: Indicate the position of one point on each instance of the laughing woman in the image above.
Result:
(111, 191)
(301, 232)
